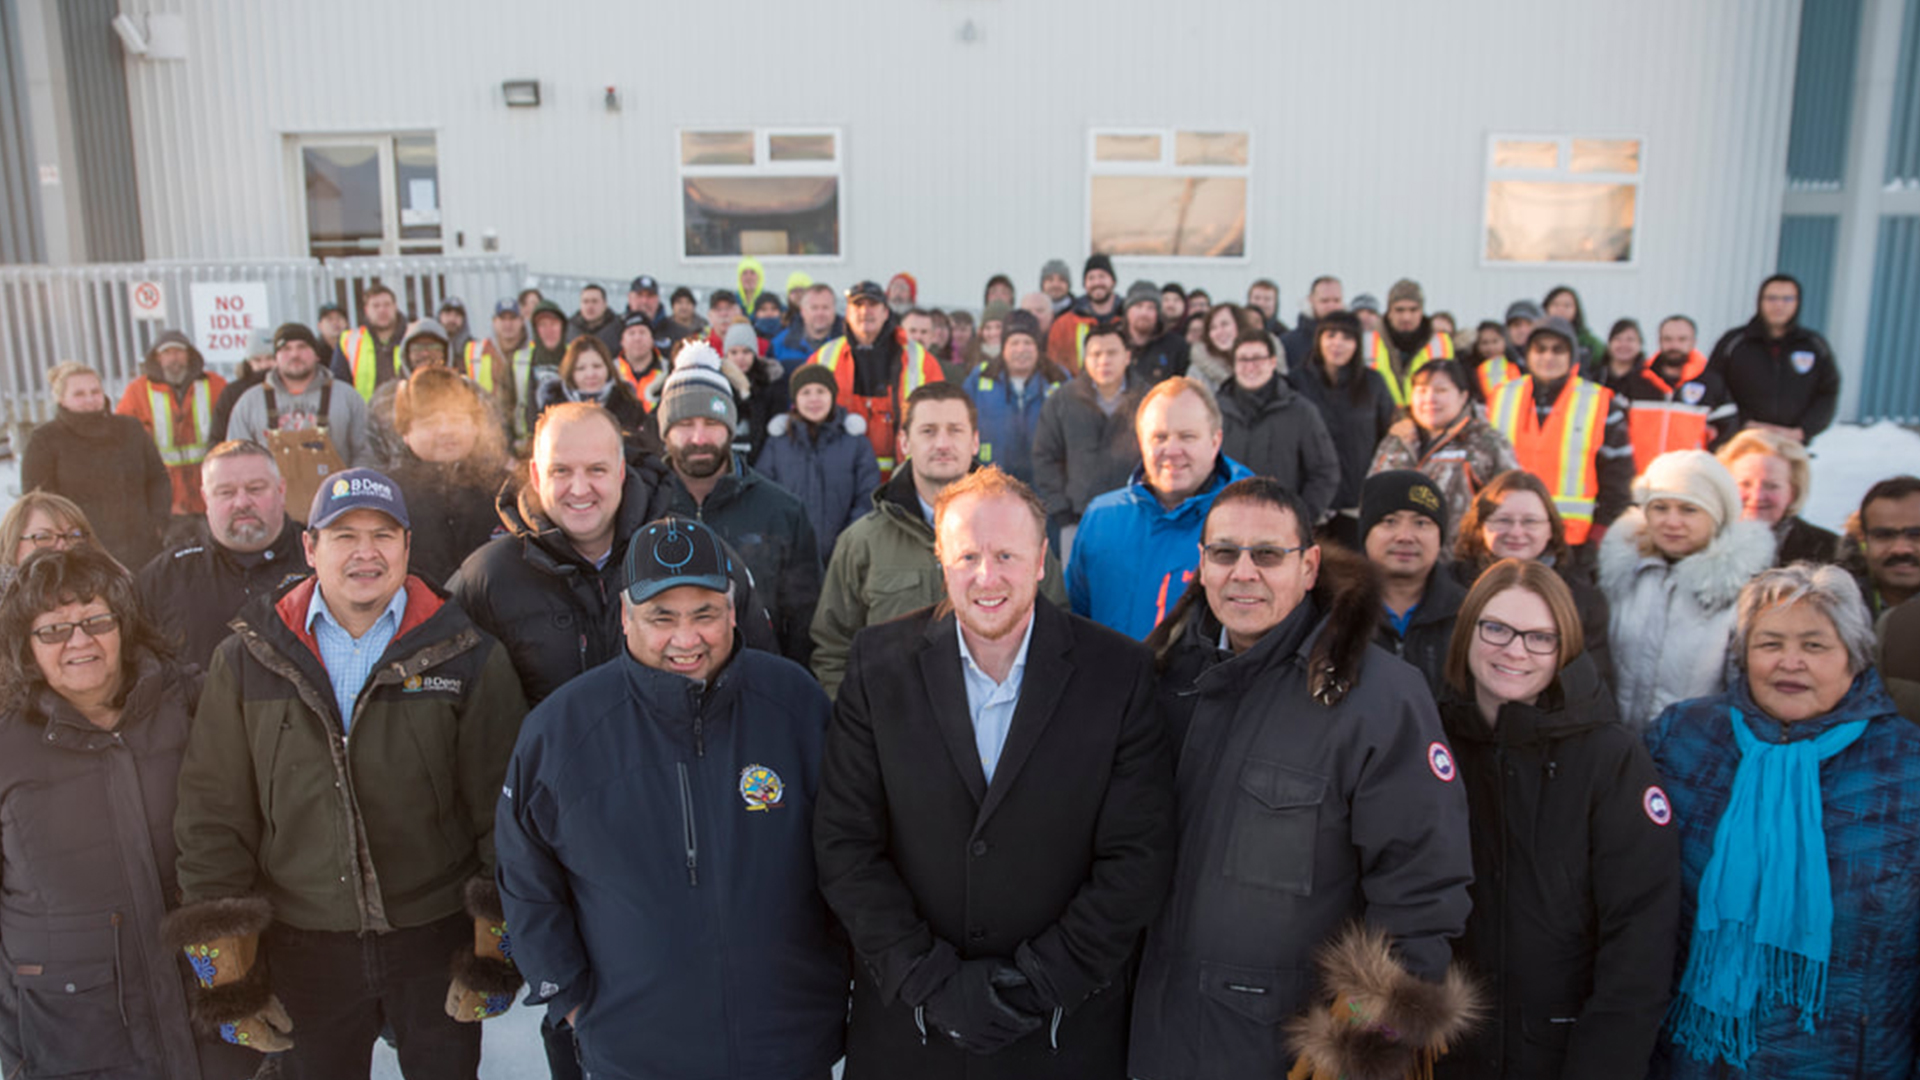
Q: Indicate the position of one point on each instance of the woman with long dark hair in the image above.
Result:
(1354, 401)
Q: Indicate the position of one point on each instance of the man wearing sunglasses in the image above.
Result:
(1318, 804)
(335, 822)
(1402, 519)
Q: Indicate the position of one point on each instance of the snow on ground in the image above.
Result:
(1846, 461)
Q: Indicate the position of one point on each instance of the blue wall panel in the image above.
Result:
(1807, 245)
(1891, 387)
(1823, 92)
(1903, 136)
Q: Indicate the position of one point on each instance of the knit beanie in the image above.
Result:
(1693, 476)
(996, 312)
(1338, 322)
(1142, 292)
(913, 285)
(1055, 266)
(697, 388)
(1406, 289)
(1097, 262)
(1020, 322)
(741, 336)
(813, 375)
(1365, 302)
(1399, 489)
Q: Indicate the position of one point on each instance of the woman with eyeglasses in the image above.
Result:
(1514, 517)
(36, 521)
(94, 725)
(105, 463)
(1576, 865)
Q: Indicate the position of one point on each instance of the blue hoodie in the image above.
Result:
(1132, 557)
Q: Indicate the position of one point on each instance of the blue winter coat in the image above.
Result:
(1133, 557)
(1870, 804)
(655, 856)
(1006, 426)
(833, 474)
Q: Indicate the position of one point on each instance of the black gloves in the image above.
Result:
(974, 1006)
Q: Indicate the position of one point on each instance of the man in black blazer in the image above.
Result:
(994, 824)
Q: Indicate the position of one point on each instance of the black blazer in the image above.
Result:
(1058, 865)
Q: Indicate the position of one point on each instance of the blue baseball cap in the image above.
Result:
(506, 307)
(674, 551)
(357, 489)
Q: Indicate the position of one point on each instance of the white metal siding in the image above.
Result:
(962, 160)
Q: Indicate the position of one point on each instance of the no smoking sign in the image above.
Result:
(149, 300)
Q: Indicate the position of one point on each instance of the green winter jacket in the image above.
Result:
(375, 832)
(882, 568)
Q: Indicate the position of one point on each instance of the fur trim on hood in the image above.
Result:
(1380, 1021)
(150, 365)
(1713, 576)
(852, 423)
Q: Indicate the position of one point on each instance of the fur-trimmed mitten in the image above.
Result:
(484, 977)
(233, 1001)
(1383, 1022)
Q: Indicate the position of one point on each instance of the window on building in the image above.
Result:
(1165, 193)
(370, 194)
(760, 191)
(1561, 199)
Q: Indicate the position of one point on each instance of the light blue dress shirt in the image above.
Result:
(991, 704)
(349, 660)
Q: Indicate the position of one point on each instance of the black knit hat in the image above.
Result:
(1020, 321)
(813, 375)
(1343, 322)
(293, 331)
(1097, 262)
(1400, 489)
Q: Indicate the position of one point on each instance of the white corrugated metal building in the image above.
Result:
(960, 138)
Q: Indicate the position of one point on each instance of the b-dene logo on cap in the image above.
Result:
(361, 485)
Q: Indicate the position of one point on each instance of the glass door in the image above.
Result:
(371, 195)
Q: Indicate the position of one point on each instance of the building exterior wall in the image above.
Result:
(965, 127)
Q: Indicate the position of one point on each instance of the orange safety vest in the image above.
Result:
(1659, 425)
(917, 368)
(1440, 348)
(1496, 373)
(357, 346)
(642, 383)
(1564, 451)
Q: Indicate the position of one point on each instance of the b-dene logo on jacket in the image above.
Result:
(431, 684)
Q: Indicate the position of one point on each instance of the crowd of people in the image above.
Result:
(1113, 685)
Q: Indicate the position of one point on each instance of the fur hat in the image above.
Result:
(698, 387)
(1406, 289)
(1693, 476)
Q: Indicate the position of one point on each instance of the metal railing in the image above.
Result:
(85, 313)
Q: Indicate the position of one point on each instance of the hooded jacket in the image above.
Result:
(193, 590)
(648, 884)
(188, 423)
(1079, 451)
(1672, 622)
(828, 466)
(1356, 426)
(608, 328)
(1276, 432)
(1791, 380)
(378, 832)
(1870, 815)
(768, 528)
(1576, 886)
(883, 567)
(1314, 789)
(108, 465)
(88, 989)
(1134, 557)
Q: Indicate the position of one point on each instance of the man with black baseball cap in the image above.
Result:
(656, 820)
(328, 877)
(643, 299)
(876, 368)
(1403, 515)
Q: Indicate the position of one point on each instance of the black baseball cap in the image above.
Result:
(644, 283)
(329, 308)
(672, 552)
(722, 296)
(867, 290)
(454, 303)
(636, 318)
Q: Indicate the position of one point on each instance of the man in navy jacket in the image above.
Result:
(653, 832)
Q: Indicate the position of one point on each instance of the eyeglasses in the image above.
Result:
(1265, 556)
(62, 632)
(1887, 535)
(48, 539)
(1509, 524)
(1537, 642)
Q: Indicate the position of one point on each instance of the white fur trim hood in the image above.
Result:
(852, 423)
(1712, 576)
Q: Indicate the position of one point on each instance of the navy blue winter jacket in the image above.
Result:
(833, 473)
(655, 855)
(1006, 425)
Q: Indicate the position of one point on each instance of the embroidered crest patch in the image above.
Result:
(760, 787)
(1659, 810)
(1440, 760)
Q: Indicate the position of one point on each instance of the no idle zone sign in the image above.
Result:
(225, 315)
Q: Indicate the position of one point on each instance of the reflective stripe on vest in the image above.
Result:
(357, 346)
(878, 411)
(1439, 348)
(1496, 373)
(160, 400)
(477, 369)
(1563, 452)
(1080, 344)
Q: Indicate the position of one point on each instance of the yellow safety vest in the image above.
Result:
(1439, 348)
(173, 450)
(478, 369)
(1564, 451)
(357, 346)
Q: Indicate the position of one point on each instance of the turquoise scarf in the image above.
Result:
(1764, 928)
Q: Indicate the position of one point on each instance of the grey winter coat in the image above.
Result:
(1672, 623)
(832, 471)
(1079, 451)
(86, 842)
(1278, 433)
